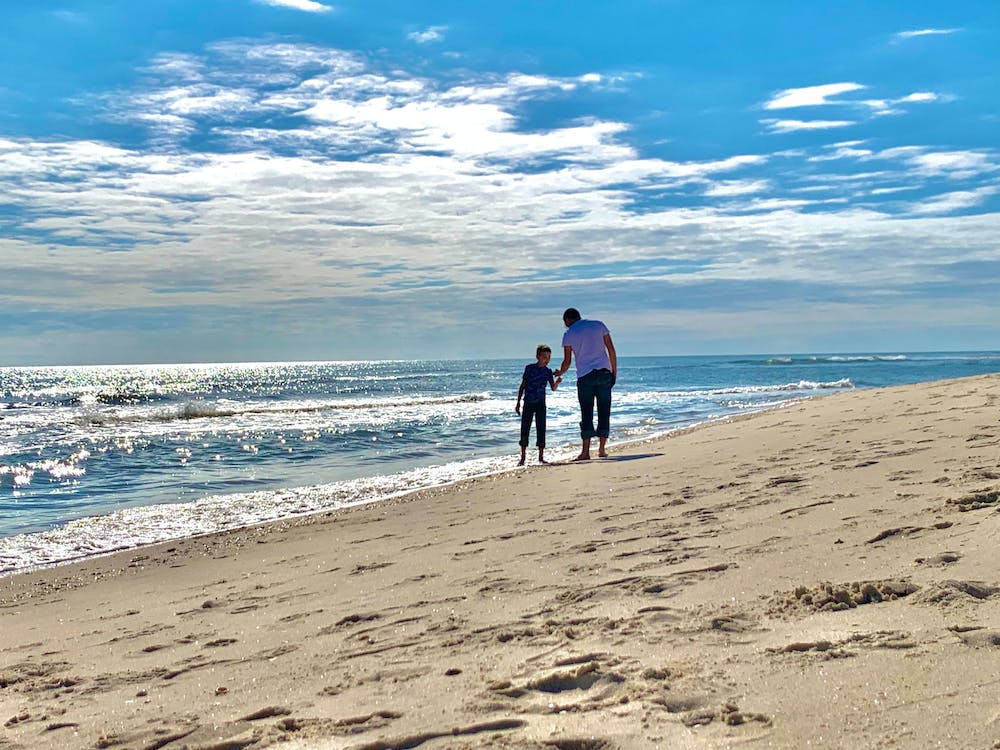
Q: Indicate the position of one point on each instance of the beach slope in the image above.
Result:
(821, 575)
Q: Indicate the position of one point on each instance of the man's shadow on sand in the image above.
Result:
(625, 457)
(630, 457)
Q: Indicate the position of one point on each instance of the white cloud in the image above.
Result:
(842, 150)
(791, 126)
(920, 96)
(430, 34)
(902, 35)
(958, 200)
(815, 96)
(954, 164)
(889, 106)
(728, 188)
(810, 96)
(310, 6)
(890, 191)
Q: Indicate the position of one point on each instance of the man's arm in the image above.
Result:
(567, 361)
(613, 356)
(520, 392)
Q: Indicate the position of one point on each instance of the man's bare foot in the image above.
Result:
(542, 461)
(521, 462)
(602, 454)
(582, 457)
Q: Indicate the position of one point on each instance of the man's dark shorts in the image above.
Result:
(595, 387)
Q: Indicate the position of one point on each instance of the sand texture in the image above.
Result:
(826, 575)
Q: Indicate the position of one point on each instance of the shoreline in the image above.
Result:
(66, 528)
(822, 573)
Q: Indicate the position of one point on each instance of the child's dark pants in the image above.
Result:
(533, 410)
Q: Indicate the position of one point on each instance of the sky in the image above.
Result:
(296, 180)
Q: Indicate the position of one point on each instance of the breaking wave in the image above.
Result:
(190, 410)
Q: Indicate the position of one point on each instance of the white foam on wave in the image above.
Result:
(801, 385)
(863, 358)
(223, 408)
(133, 527)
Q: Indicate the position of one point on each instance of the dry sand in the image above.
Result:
(825, 575)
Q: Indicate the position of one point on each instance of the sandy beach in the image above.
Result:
(822, 575)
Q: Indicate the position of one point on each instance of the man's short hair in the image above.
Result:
(571, 315)
(543, 348)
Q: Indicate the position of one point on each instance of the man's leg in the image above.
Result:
(585, 395)
(603, 394)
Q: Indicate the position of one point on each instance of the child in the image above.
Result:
(536, 377)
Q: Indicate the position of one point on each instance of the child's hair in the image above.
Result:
(543, 348)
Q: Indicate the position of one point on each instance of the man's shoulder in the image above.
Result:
(592, 325)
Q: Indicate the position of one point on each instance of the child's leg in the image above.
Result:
(526, 414)
(540, 432)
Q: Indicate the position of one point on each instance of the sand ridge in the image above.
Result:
(823, 575)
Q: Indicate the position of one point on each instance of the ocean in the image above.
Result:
(97, 459)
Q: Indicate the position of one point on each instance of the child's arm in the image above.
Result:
(555, 383)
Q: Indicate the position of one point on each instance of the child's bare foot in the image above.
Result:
(542, 460)
(521, 462)
(602, 454)
(582, 457)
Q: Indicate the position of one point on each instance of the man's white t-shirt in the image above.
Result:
(586, 337)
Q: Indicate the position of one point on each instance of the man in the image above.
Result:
(596, 373)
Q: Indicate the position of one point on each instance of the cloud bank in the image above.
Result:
(285, 176)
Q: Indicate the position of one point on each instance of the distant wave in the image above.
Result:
(840, 358)
(189, 410)
(73, 397)
(865, 358)
(367, 378)
(802, 385)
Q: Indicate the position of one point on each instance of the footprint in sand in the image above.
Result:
(988, 498)
(828, 597)
(945, 558)
(952, 592)
(981, 638)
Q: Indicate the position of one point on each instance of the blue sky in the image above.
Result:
(235, 180)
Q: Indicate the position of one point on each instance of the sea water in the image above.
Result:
(94, 459)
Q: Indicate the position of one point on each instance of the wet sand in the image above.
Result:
(823, 575)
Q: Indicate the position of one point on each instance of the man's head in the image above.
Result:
(571, 316)
(543, 353)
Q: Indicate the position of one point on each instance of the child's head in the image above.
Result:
(543, 353)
